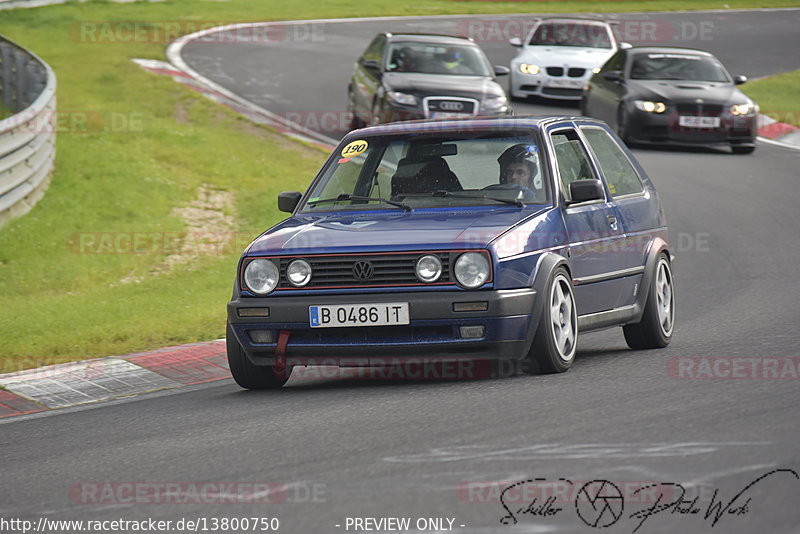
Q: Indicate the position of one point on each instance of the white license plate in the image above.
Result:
(575, 84)
(446, 115)
(392, 313)
(699, 122)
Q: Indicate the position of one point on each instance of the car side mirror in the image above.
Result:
(515, 41)
(500, 70)
(624, 45)
(371, 64)
(613, 76)
(288, 200)
(586, 190)
(739, 80)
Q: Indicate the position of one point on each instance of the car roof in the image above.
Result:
(574, 19)
(437, 38)
(669, 50)
(536, 122)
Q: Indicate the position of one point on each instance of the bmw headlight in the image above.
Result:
(401, 98)
(472, 269)
(650, 107)
(494, 103)
(527, 68)
(743, 109)
(429, 268)
(261, 276)
(299, 273)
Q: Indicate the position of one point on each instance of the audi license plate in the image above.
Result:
(393, 313)
(445, 115)
(698, 122)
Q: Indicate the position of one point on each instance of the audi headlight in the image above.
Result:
(472, 269)
(527, 68)
(650, 107)
(429, 268)
(261, 276)
(742, 109)
(299, 273)
(495, 103)
(401, 98)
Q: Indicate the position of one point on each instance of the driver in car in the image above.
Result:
(518, 169)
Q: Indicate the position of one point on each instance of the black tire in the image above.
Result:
(743, 149)
(655, 329)
(355, 122)
(549, 352)
(246, 374)
(622, 125)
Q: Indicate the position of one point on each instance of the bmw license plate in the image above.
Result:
(698, 122)
(393, 313)
(574, 84)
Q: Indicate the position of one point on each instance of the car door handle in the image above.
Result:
(612, 220)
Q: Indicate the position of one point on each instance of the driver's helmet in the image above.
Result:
(451, 58)
(521, 153)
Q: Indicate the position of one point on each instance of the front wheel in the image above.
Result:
(251, 376)
(556, 340)
(622, 119)
(654, 331)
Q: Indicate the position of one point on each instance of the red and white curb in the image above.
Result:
(780, 133)
(70, 384)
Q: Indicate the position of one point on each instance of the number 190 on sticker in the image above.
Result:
(393, 313)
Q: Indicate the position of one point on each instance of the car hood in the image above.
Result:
(442, 85)
(682, 91)
(545, 56)
(390, 231)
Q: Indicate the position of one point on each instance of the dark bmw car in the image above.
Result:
(456, 242)
(672, 95)
(421, 76)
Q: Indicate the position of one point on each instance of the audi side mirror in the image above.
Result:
(371, 64)
(500, 70)
(739, 80)
(288, 200)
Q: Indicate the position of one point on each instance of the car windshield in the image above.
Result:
(678, 67)
(583, 34)
(409, 172)
(428, 58)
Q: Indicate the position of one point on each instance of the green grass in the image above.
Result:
(777, 96)
(60, 302)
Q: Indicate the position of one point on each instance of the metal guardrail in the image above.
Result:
(28, 137)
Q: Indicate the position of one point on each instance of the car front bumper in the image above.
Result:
(544, 85)
(432, 335)
(665, 128)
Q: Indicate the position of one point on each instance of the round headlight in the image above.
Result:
(429, 268)
(261, 276)
(472, 269)
(299, 273)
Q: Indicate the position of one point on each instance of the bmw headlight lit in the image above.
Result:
(261, 276)
(299, 273)
(401, 98)
(527, 68)
(429, 268)
(472, 269)
(650, 107)
(495, 103)
(742, 109)
(595, 70)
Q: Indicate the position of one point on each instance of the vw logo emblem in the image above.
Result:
(451, 106)
(363, 270)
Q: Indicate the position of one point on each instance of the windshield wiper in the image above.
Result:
(449, 194)
(345, 196)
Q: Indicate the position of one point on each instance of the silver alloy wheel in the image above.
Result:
(664, 302)
(563, 317)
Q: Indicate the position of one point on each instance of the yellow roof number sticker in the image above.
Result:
(355, 148)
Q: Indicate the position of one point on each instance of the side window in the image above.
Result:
(617, 62)
(620, 175)
(375, 49)
(571, 158)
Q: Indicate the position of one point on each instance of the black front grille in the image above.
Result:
(451, 106)
(576, 72)
(560, 91)
(386, 269)
(699, 110)
(555, 71)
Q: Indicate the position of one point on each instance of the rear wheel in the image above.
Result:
(251, 376)
(556, 340)
(654, 331)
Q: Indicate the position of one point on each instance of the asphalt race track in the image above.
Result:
(339, 447)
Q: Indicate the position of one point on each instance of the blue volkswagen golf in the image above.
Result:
(463, 240)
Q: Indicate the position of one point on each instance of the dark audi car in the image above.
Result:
(421, 76)
(493, 240)
(672, 95)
